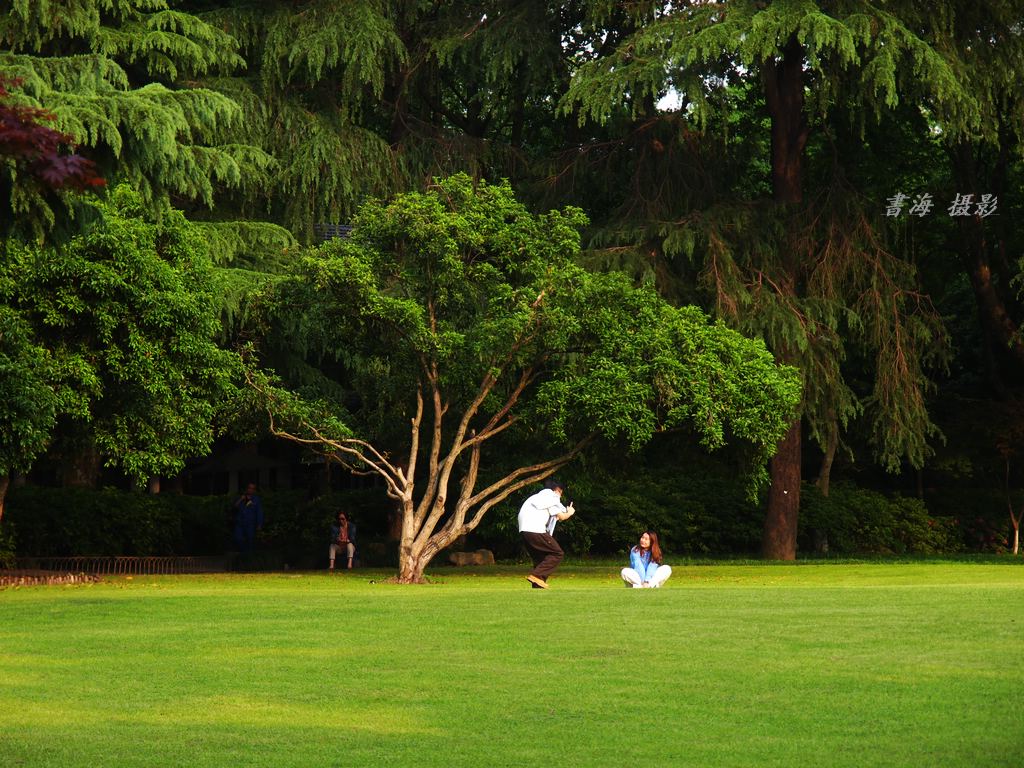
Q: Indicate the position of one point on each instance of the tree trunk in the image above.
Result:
(413, 561)
(396, 95)
(823, 482)
(414, 551)
(825, 474)
(784, 97)
(410, 570)
(1014, 519)
(408, 562)
(779, 541)
(412, 566)
(995, 316)
(153, 485)
(82, 470)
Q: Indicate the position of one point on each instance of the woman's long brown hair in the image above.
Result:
(655, 547)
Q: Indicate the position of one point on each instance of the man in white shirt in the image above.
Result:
(537, 518)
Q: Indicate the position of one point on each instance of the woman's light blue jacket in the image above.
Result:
(642, 564)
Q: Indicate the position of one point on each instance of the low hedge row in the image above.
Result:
(708, 514)
(696, 515)
(72, 521)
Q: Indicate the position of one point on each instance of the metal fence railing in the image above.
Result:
(116, 565)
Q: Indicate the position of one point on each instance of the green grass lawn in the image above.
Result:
(918, 664)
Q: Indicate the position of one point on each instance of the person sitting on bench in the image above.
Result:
(343, 536)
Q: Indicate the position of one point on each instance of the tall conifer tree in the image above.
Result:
(369, 97)
(984, 43)
(813, 276)
(113, 74)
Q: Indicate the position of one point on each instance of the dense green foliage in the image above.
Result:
(28, 404)
(736, 156)
(819, 283)
(37, 159)
(114, 332)
(374, 97)
(76, 521)
(765, 193)
(858, 521)
(706, 513)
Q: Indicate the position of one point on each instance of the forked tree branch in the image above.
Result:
(361, 450)
(527, 476)
(414, 442)
(351, 447)
(426, 502)
(432, 506)
(513, 481)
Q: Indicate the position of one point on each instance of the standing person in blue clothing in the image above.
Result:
(645, 566)
(248, 518)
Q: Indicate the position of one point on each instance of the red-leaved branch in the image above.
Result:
(38, 150)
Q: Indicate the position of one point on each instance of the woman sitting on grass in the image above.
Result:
(646, 569)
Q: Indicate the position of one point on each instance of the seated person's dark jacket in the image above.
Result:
(336, 531)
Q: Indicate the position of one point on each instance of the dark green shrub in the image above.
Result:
(697, 513)
(7, 551)
(300, 528)
(72, 521)
(860, 521)
(694, 513)
(981, 515)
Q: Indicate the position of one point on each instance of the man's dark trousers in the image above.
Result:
(545, 552)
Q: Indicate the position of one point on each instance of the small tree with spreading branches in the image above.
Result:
(463, 316)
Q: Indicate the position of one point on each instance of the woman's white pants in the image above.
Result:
(350, 549)
(632, 578)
